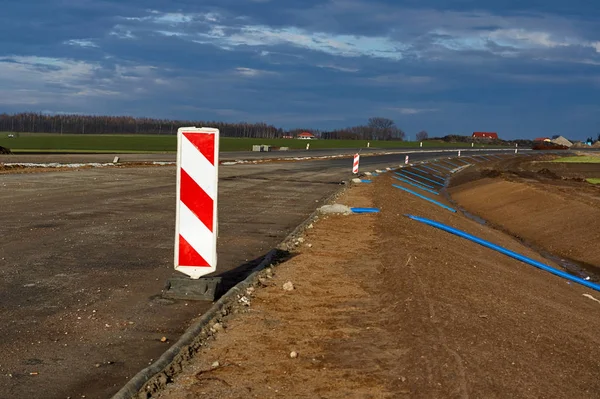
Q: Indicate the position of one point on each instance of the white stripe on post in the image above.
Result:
(196, 207)
(198, 167)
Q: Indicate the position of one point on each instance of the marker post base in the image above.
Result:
(202, 289)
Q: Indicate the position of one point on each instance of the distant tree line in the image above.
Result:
(91, 124)
(377, 128)
(456, 138)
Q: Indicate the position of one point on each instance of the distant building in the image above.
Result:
(306, 136)
(288, 137)
(485, 135)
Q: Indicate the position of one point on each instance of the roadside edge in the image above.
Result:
(155, 377)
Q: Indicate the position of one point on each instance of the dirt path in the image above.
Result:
(386, 307)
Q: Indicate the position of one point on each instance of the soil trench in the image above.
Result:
(546, 204)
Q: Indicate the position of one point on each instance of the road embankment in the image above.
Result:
(548, 205)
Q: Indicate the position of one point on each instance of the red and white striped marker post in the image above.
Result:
(196, 210)
(356, 162)
(406, 160)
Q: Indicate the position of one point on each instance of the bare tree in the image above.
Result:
(381, 123)
(380, 128)
(422, 135)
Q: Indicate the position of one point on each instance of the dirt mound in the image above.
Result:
(4, 150)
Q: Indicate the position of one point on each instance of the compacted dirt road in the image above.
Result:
(386, 307)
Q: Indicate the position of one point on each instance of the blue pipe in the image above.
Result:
(481, 156)
(428, 173)
(364, 210)
(494, 155)
(425, 198)
(472, 158)
(365, 181)
(424, 178)
(433, 170)
(415, 184)
(416, 181)
(507, 252)
(451, 164)
(462, 160)
(441, 166)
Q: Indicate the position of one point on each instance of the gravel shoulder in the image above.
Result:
(383, 307)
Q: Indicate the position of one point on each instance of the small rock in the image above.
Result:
(300, 240)
(310, 226)
(97, 365)
(293, 354)
(163, 339)
(216, 327)
(403, 379)
(309, 245)
(289, 286)
(215, 364)
(250, 290)
(244, 301)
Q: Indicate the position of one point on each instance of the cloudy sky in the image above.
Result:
(522, 68)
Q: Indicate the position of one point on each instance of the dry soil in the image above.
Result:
(385, 307)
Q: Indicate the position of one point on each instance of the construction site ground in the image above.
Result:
(386, 307)
(86, 253)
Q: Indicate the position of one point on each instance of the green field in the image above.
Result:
(582, 159)
(594, 180)
(42, 142)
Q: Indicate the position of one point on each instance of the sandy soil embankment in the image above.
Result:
(536, 204)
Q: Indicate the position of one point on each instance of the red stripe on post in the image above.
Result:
(196, 199)
(188, 256)
(205, 143)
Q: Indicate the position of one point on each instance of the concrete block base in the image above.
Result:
(202, 289)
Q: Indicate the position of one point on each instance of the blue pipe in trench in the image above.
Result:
(424, 197)
(416, 181)
(428, 173)
(422, 177)
(437, 165)
(451, 164)
(433, 170)
(364, 210)
(415, 185)
(507, 252)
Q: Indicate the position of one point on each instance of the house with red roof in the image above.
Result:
(306, 136)
(485, 135)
